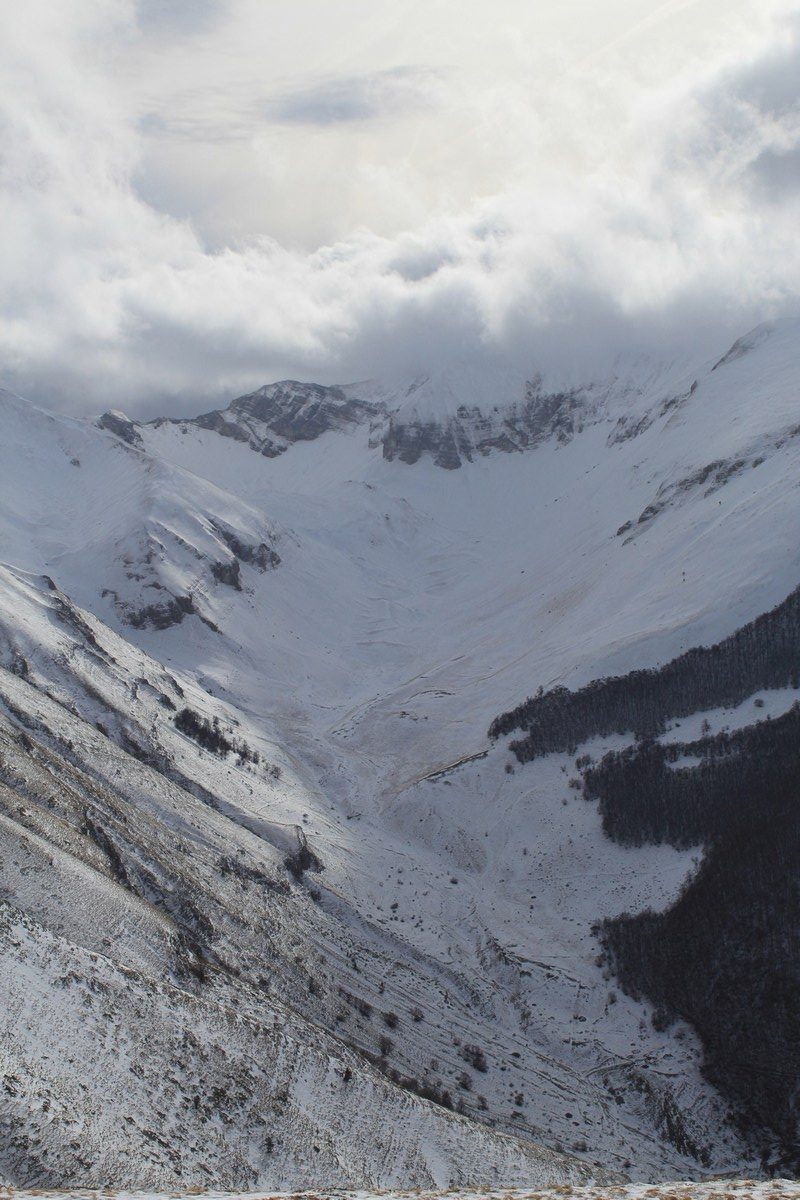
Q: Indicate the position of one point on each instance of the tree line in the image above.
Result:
(765, 653)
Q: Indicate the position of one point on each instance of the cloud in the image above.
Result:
(360, 98)
(179, 239)
(178, 16)
(777, 174)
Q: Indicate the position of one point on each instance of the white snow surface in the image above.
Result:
(410, 607)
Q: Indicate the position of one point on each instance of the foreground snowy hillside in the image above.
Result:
(170, 968)
(277, 910)
(727, 1189)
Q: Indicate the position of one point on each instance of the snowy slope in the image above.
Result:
(303, 569)
(167, 982)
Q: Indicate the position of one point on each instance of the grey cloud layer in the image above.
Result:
(360, 98)
(674, 223)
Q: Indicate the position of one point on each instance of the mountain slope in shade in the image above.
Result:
(346, 845)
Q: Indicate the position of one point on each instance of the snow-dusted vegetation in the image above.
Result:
(718, 1189)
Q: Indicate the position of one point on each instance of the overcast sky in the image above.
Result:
(199, 196)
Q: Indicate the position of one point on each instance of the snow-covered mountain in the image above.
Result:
(296, 888)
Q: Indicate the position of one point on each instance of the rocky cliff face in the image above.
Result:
(279, 415)
(276, 416)
(469, 433)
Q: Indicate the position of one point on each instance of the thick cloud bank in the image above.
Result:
(182, 219)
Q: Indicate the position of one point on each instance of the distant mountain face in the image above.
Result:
(426, 417)
(359, 756)
(276, 416)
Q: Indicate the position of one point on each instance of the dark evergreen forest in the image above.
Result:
(762, 654)
(726, 956)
